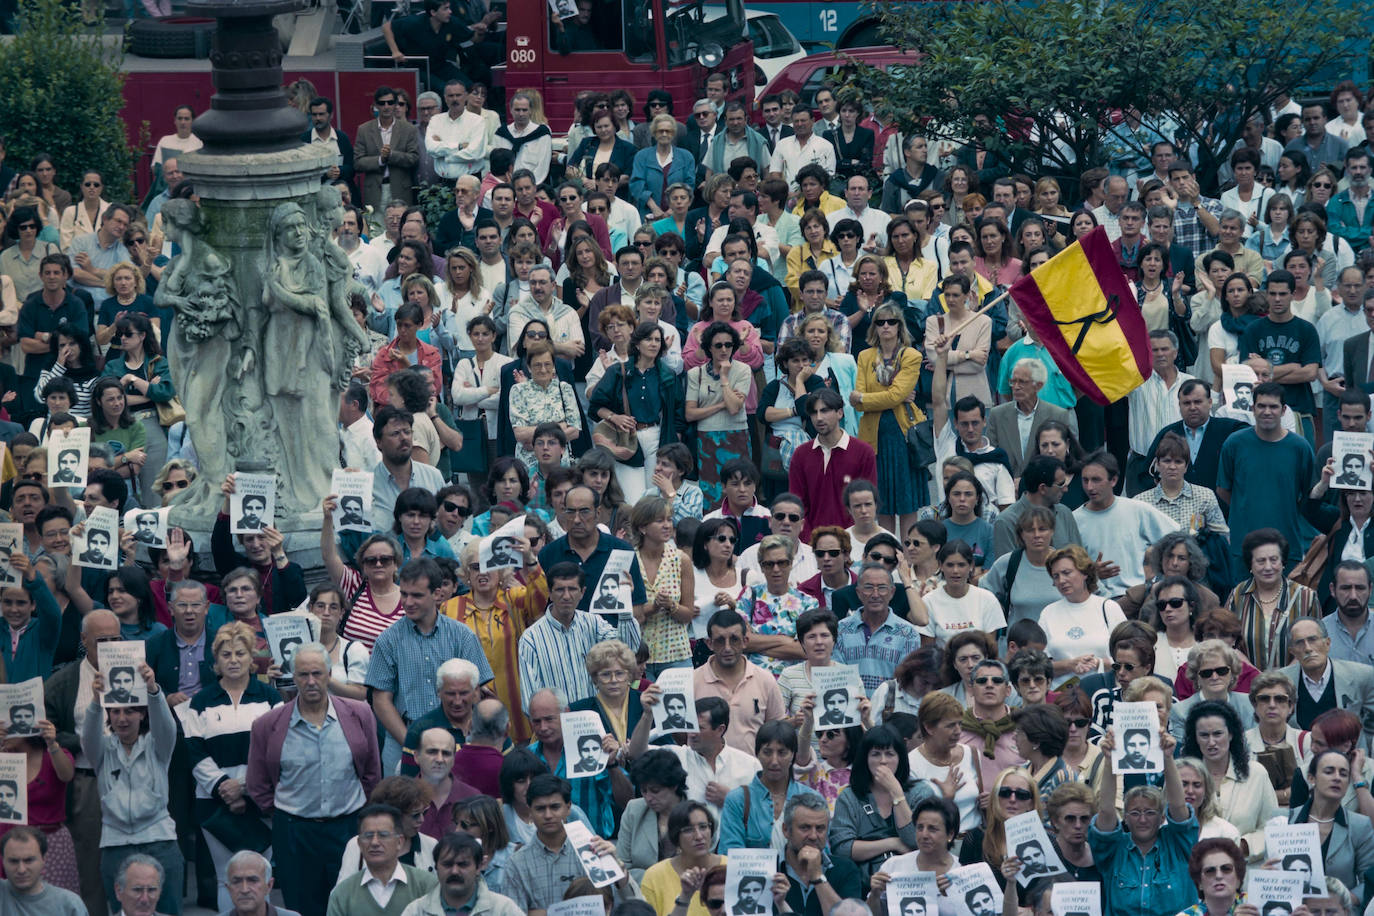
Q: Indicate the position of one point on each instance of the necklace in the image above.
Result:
(1321, 820)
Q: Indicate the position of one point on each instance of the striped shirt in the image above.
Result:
(404, 661)
(551, 654)
(217, 732)
(365, 621)
(877, 653)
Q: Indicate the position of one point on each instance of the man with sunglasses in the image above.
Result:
(988, 727)
(388, 148)
(787, 519)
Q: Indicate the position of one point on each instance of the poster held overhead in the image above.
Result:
(97, 546)
(253, 504)
(676, 710)
(354, 508)
(1135, 727)
(119, 662)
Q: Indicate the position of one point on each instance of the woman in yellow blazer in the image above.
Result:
(815, 248)
(887, 375)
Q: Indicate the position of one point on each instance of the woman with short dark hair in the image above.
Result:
(646, 825)
(873, 815)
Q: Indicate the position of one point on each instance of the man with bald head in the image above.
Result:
(598, 796)
(459, 225)
(66, 692)
(480, 758)
(434, 756)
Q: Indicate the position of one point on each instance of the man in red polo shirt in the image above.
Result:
(823, 467)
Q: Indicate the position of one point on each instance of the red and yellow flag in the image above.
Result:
(1084, 311)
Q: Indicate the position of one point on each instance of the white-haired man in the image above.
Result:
(249, 878)
(1013, 425)
(456, 683)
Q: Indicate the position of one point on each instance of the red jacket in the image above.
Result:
(269, 734)
(821, 488)
(383, 365)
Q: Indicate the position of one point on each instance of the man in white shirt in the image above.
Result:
(1116, 530)
(355, 429)
(1154, 404)
(1115, 191)
(369, 264)
(857, 195)
(787, 515)
(532, 143)
(457, 140)
(391, 224)
(804, 147)
(744, 205)
(713, 767)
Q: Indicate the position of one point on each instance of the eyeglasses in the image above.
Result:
(723, 539)
(1018, 794)
(1224, 869)
(128, 332)
(775, 564)
(569, 199)
(940, 206)
(618, 674)
(823, 554)
(990, 679)
(175, 485)
(597, 209)
(787, 516)
(1174, 603)
(385, 102)
(1267, 698)
(135, 241)
(912, 542)
(883, 558)
(582, 512)
(873, 589)
(886, 322)
(1128, 667)
(1206, 673)
(464, 511)
(1081, 722)
(846, 235)
(379, 560)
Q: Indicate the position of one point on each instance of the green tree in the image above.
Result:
(63, 96)
(1043, 80)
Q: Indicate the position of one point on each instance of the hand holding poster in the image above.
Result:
(1350, 454)
(149, 526)
(68, 453)
(14, 788)
(975, 890)
(913, 895)
(1076, 898)
(1238, 386)
(1274, 893)
(501, 549)
(838, 689)
(285, 634)
(676, 709)
(12, 542)
(602, 870)
(748, 877)
(1028, 841)
(1135, 729)
(119, 662)
(96, 546)
(21, 705)
(614, 588)
(354, 492)
(582, 737)
(1298, 848)
(253, 504)
(577, 906)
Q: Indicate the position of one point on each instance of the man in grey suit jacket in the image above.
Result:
(1028, 376)
(386, 153)
(1326, 683)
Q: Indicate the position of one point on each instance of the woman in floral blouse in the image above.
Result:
(773, 607)
(541, 399)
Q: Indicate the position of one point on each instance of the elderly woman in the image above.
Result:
(131, 764)
(690, 829)
(499, 609)
(773, 607)
(1281, 748)
(1214, 733)
(1221, 624)
(644, 836)
(611, 664)
(217, 723)
(656, 168)
(542, 398)
(1217, 868)
(1213, 669)
(873, 815)
(1080, 623)
(886, 375)
(1268, 602)
(1147, 856)
(1200, 791)
(941, 760)
(1190, 505)
(1347, 837)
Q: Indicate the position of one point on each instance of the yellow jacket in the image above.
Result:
(797, 265)
(877, 398)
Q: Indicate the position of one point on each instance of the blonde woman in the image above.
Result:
(669, 581)
(1200, 791)
(127, 290)
(611, 664)
(461, 298)
(886, 376)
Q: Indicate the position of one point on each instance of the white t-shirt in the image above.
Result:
(1078, 629)
(979, 609)
(994, 476)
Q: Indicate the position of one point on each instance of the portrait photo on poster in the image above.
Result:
(1076, 898)
(68, 453)
(14, 788)
(1135, 728)
(252, 505)
(11, 541)
(601, 870)
(22, 705)
(675, 712)
(583, 737)
(748, 876)
(501, 549)
(1029, 842)
(974, 890)
(913, 894)
(119, 662)
(95, 544)
(1238, 383)
(148, 526)
(354, 505)
(1350, 455)
(838, 689)
(1298, 849)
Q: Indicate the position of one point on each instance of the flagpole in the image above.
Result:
(974, 313)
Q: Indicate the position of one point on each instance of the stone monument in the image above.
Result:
(263, 338)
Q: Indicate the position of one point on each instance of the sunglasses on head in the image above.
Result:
(464, 511)
(1018, 794)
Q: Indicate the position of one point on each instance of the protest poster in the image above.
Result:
(601, 870)
(582, 736)
(501, 549)
(148, 526)
(14, 788)
(1275, 893)
(1350, 452)
(96, 546)
(68, 453)
(613, 590)
(285, 634)
(1028, 841)
(119, 662)
(1076, 898)
(1238, 383)
(748, 877)
(913, 895)
(577, 906)
(12, 542)
(1298, 848)
(838, 690)
(353, 490)
(1135, 728)
(676, 708)
(974, 890)
(253, 504)
(562, 9)
(22, 707)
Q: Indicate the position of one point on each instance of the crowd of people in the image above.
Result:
(763, 370)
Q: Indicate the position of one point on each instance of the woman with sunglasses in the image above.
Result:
(147, 384)
(1012, 792)
(373, 593)
(1175, 600)
(1079, 753)
(1215, 734)
(83, 217)
(719, 583)
(1217, 869)
(886, 377)
(773, 607)
(825, 758)
(1132, 653)
(719, 384)
(1347, 837)
(1281, 747)
(873, 814)
(1213, 669)
(23, 250)
(958, 604)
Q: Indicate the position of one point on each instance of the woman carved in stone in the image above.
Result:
(339, 272)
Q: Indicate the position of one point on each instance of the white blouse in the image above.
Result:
(467, 388)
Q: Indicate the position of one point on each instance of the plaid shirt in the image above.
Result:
(404, 661)
(1188, 231)
(536, 878)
